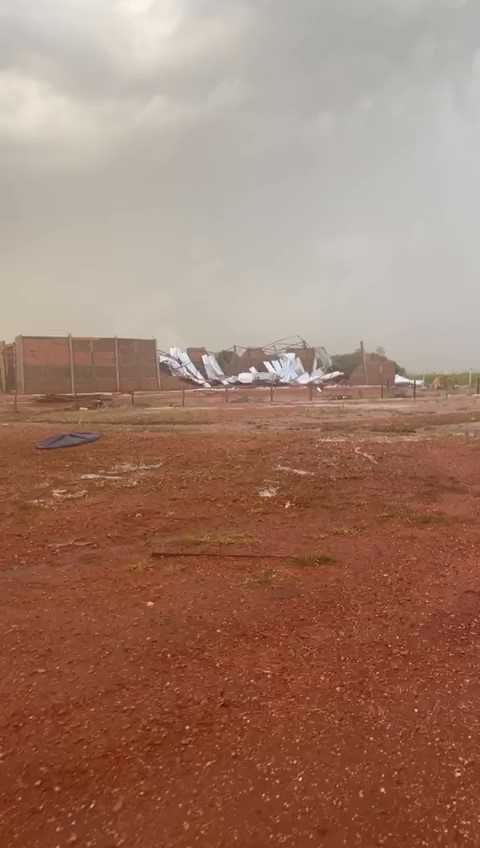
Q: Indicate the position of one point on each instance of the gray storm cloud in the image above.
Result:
(212, 172)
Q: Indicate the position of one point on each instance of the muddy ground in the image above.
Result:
(319, 688)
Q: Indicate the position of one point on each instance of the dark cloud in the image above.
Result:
(214, 172)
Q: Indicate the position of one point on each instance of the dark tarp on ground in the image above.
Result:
(68, 440)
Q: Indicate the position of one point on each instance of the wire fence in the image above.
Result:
(230, 395)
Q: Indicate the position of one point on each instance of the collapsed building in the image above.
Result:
(80, 365)
(287, 362)
(282, 362)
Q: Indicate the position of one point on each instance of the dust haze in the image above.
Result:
(214, 172)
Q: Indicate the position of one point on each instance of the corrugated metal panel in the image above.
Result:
(306, 355)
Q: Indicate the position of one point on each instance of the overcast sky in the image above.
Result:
(234, 171)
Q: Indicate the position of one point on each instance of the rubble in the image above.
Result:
(286, 369)
(405, 382)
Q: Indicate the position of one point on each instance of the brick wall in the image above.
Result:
(57, 365)
(379, 370)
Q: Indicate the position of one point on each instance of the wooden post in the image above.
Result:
(382, 390)
(388, 388)
(310, 391)
(183, 397)
(478, 385)
(470, 380)
(133, 398)
(117, 364)
(15, 402)
(414, 389)
(271, 393)
(226, 394)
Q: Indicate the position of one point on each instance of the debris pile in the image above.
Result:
(405, 382)
(286, 369)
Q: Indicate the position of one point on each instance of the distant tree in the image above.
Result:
(380, 351)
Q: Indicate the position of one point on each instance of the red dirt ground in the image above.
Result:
(254, 702)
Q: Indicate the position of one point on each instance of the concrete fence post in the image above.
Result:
(157, 363)
(72, 364)
(19, 366)
(117, 364)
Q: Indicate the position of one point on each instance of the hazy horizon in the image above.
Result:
(212, 173)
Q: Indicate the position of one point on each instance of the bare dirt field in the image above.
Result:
(321, 687)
